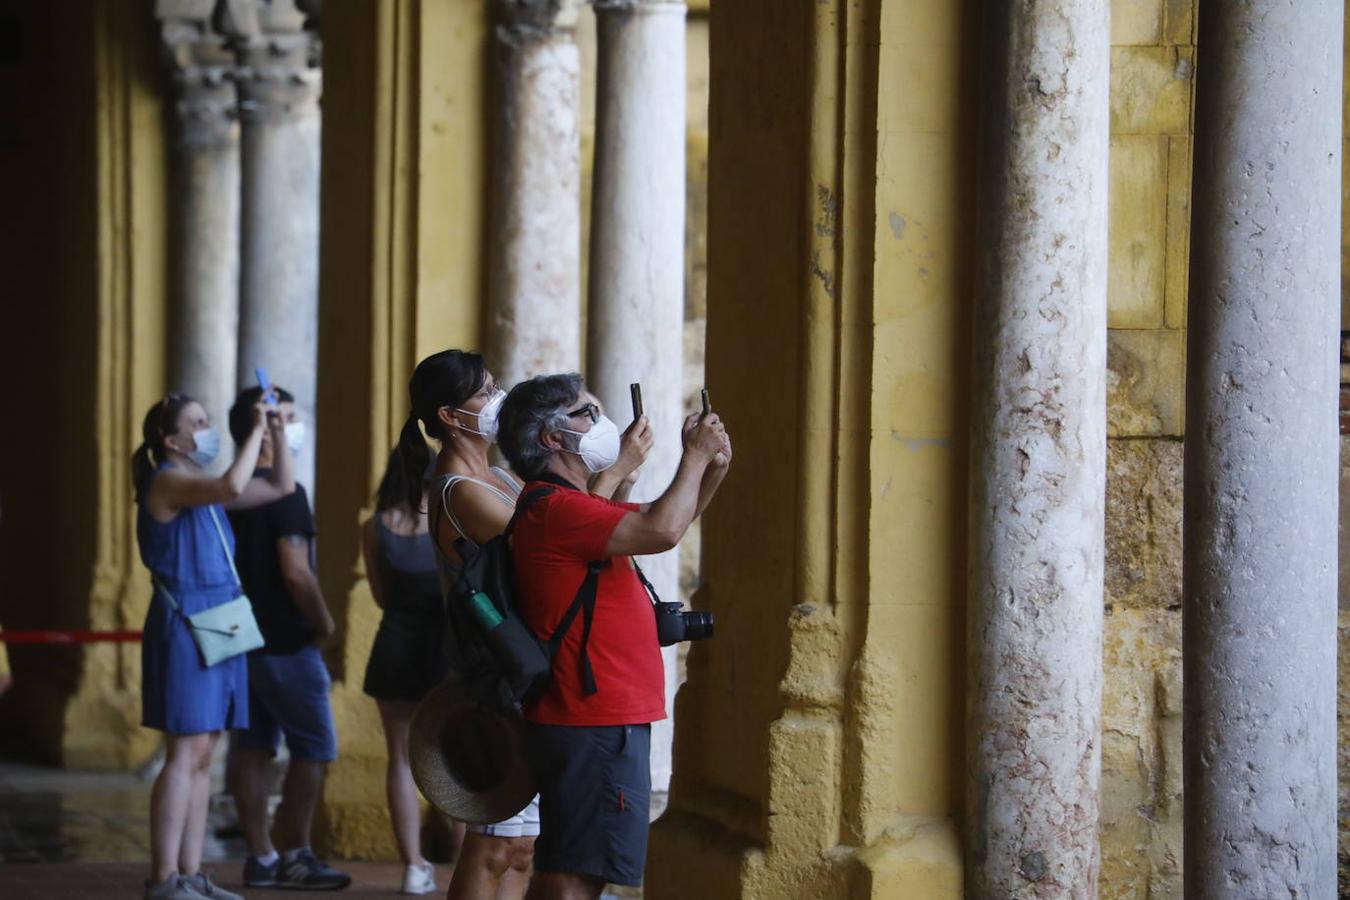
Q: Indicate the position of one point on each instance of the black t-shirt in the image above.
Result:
(256, 533)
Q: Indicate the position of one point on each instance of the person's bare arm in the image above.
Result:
(480, 512)
(370, 552)
(281, 481)
(172, 489)
(659, 526)
(713, 475)
(303, 585)
(616, 481)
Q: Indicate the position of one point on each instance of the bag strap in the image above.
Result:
(225, 545)
(584, 603)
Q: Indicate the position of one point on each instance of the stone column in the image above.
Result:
(279, 90)
(1261, 453)
(1038, 454)
(535, 281)
(204, 206)
(636, 311)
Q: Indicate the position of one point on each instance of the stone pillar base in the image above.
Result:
(923, 861)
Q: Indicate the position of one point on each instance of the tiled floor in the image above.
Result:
(72, 835)
(78, 880)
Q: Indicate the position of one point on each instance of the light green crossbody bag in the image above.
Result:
(227, 630)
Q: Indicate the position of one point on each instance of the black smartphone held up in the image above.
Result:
(707, 407)
(636, 390)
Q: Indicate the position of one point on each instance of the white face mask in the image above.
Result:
(599, 447)
(208, 447)
(487, 417)
(295, 437)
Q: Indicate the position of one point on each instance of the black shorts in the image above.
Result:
(595, 788)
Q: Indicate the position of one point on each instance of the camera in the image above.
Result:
(674, 623)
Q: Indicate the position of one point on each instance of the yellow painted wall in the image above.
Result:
(400, 277)
(85, 173)
(818, 742)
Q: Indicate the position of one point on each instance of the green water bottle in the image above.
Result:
(484, 611)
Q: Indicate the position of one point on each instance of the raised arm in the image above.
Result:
(659, 526)
(174, 489)
(281, 481)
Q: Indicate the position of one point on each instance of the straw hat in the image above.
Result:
(468, 762)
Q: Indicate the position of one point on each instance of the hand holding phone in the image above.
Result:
(707, 407)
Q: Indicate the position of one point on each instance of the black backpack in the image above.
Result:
(503, 664)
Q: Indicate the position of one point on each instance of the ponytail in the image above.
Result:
(160, 422)
(142, 466)
(414, 458)
(447, 378)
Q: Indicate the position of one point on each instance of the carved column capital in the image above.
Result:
(201, 65)
(279, 59)
(523, 21)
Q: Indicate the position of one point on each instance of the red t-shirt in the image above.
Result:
(551, 545)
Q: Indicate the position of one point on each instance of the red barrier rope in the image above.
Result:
(69, 637)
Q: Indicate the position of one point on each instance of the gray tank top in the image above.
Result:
(445, 485)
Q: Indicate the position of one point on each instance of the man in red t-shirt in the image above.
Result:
(590, 733)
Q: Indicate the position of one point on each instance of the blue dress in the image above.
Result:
(180, 695)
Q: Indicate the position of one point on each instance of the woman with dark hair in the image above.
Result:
(455, 399)
(406, 659)
(186, 543)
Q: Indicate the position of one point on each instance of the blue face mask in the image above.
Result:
(208, 447)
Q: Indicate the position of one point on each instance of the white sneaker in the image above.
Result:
(419, 878)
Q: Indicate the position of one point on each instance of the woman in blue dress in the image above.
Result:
(186, 543)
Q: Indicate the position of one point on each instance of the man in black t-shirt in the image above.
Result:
(288, 680)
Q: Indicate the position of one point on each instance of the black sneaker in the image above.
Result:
(256, 874)
(309, 873)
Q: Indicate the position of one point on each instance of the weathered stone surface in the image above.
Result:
(1145, 384)
(1262, 453)
(1038, 446)
(1180, 22)
(1178, 230)
(1151, 90)
(1138, 260)
(1143, 524)
(1136, 22)
(1141, 751)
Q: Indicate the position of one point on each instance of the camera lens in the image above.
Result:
(698, 625)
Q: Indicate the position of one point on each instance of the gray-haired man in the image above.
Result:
(590, 733)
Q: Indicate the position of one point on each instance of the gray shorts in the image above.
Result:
(595, 788)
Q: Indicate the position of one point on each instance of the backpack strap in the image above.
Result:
(584, 604)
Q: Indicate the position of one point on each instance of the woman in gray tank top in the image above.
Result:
(406, 659)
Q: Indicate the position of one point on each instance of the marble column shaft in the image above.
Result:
(636, 311)
(1039, 454)
(1261, 458)
(534, 308)
(279, 296)
(204, 212)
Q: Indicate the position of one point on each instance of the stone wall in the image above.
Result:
(1151, 102)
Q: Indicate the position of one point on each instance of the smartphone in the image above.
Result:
(636, 390)
(707, 407)
(265, 383)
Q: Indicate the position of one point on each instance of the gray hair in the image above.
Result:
(532, 409)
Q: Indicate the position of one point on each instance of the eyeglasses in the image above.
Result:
(590, 409)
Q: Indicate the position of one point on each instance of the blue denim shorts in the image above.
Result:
(594, 792)
(288, 695)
